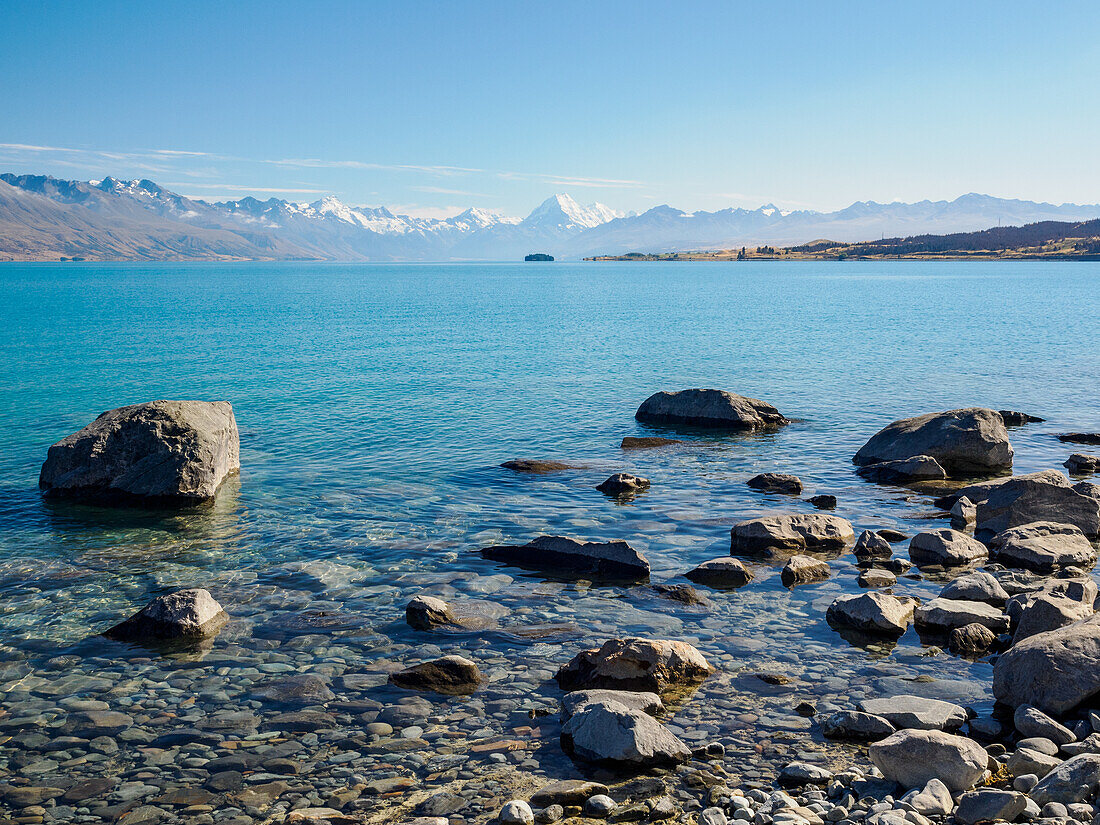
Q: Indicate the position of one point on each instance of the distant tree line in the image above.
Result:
(998, 238)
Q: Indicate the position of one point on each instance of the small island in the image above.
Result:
(538, 256)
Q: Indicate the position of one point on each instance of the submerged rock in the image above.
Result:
(631, 442)
(946, 547)
(623, 484)
(653, 665)
(875, 613)
(537, 466)
(1080, 438)
(613, 559)
(965, 442)
(172, 451)
(776, 483)
(1080, 464)
(720, 573)
(708, 408)
(683, 593)
(611, 733)
(914, 757)
(1054, 671)
(451, 675)
(823, 502)
(185, 614)
(803, 569)
(781, 536)
(1043, 546)
(902, 470)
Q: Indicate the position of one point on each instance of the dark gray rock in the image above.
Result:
(172, 451)
(823, 502)
(802, 570)
(971, 640)
(708, 408)
(1012, 418)
(653, 665)
(451, 675)
(964, 442)
(1039, 497)
(538, 467)
(612, 559)
(988, 805)
(776, 483)
(871, 546)
(1080, 464)
(903, 470)
(428, 613)
(720, 573)
(623, 484)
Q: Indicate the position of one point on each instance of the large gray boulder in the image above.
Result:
(167, 451)
(653, 665)
(184, 615)
(782, 536)
(978, 586)
(1044, 612)
(708, 408)
(613, 734)
(943, 615)
(612, 559)
(946, 547)
(1043, 546)
(1054, 671)
(913, 757)
(971, 441)
(916, 712)
(874, 613)
(1075, 780)
(1045, 496)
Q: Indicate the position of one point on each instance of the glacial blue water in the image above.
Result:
(376, 403)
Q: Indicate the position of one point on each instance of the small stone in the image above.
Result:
(776, 483)
(871, 546)
(623, 484)
(516, 812)
(824, 502)
(428, 613)
(802, 570)
(876, 577)
(720, 573)
(599, 806)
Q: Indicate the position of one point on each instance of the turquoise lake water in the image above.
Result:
(375, 403)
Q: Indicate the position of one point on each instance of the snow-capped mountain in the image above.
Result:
(44, 218)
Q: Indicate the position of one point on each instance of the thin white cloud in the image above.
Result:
(233, 187)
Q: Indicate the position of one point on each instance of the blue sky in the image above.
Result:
(428, 107)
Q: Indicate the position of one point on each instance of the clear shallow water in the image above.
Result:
(375, 404)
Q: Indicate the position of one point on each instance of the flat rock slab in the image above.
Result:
(776, 483)
(713, 409)
(908, 711)
(612, 559)
(943, 615)
(538, 467)
(176, 452)
(1080, 438)
(969, 441)
(632, 442)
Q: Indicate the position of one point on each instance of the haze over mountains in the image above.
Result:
(44, 218)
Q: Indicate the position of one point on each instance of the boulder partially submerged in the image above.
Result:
(782, 536)
(652, 665)
(175, 452)
(185, 615)
(802, 570)
(450, 675)
(1043, 546)
(776, 483)
(946, 547)
(904, 470)
(720, 573)
(969, 441)
(612, 559)
(623, 484)
(943, 615)
(538, 467)
(872, 613)
(713, 409)
(1081, 464)
(610, 733)
(1044, 496)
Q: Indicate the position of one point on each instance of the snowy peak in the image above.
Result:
(561, 211)
(474, 219)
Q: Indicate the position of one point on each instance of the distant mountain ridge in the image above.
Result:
(45, 218)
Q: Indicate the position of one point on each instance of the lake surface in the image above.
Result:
(375, 404)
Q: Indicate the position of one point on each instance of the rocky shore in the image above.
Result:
(254, 699)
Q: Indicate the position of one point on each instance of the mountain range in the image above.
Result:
(45, 218)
